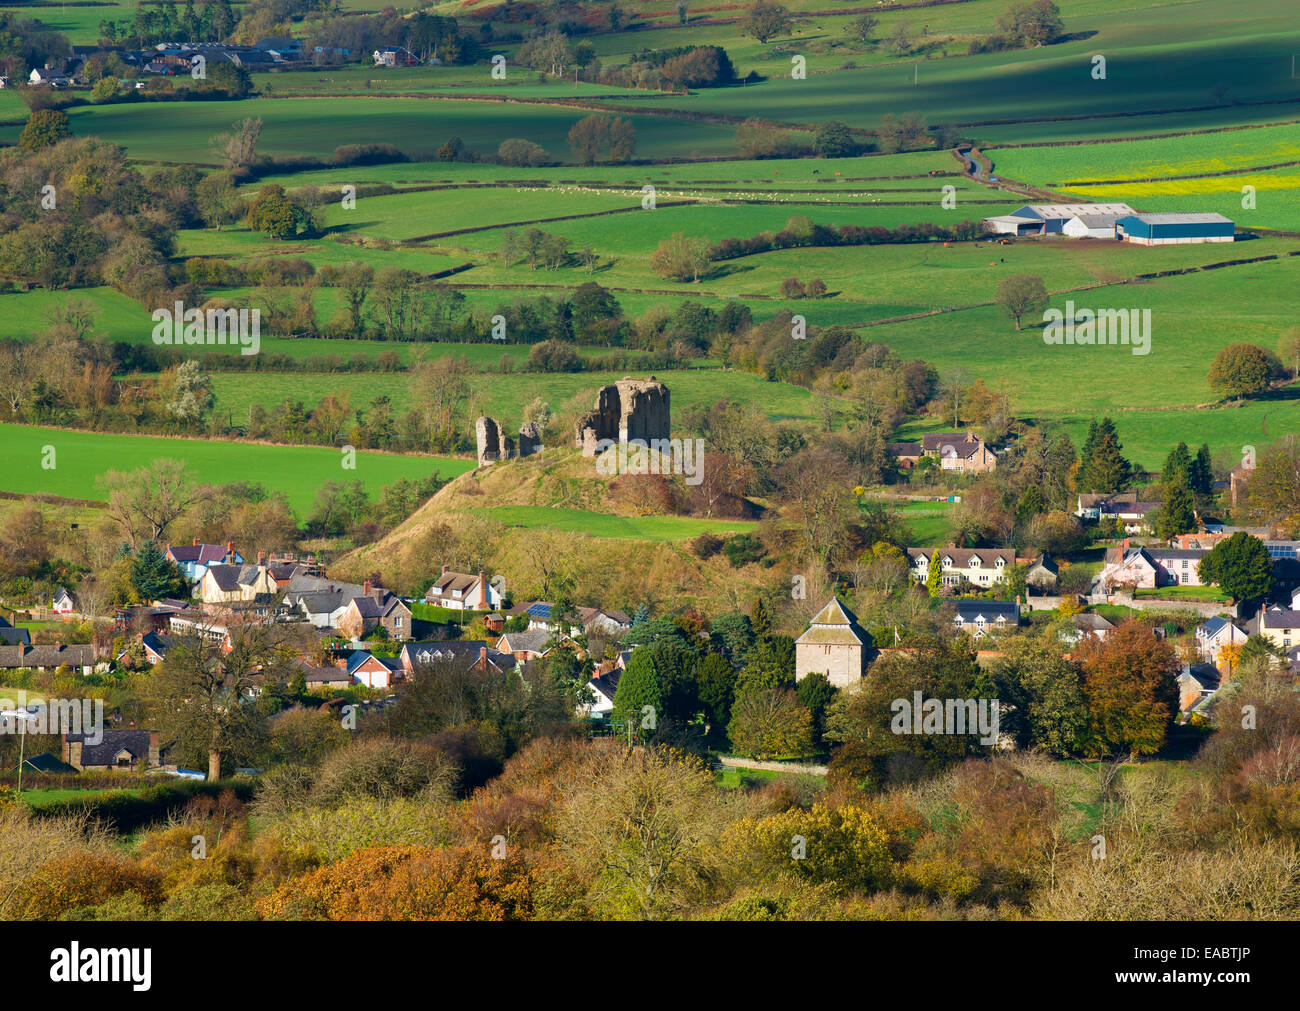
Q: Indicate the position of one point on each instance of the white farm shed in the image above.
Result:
(1091, 226)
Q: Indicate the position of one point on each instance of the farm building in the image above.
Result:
(1169, 229)
(1051, 219)
(1090, 226)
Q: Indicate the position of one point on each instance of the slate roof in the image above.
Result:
(833, 625)
(10, 636)
(204, 554)
(970, 610)
(1092, 623)
(158, 642)
(961, 556)
(14, 657)
(1279, 617)
(524, 642)
(963, 447)
(1206, 675)
(466, 650)
(105, 752)
(607, 684)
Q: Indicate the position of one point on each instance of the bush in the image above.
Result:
(706, 545)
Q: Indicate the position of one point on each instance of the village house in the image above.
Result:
(1197, 684)
(979, 618)
(194, 559)
(1086, 626)
(63, 602)
(156, 647)
(326, 679)
(364, 668)
(834, 645)
(1280, 626)
(1149, 567)
(603, 687)
(474, 654)
(237, 584)
(958, 451)
(1213, 635)
(1041, 574)
(1122, 507)
(525, 646)
(10, 636)
(155, 617)
(117, 750)
(22, 656)
(377, 607)
(460, 591)
(978, 566)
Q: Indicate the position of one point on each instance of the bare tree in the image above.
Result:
(145, 503)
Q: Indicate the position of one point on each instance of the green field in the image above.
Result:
(504, 396)
(637, 528)
(171, 132)
(298, 471)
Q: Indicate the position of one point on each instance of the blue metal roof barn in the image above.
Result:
(1157, 229)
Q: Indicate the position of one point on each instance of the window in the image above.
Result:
(397, 621)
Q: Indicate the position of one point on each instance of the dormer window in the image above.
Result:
(1001, 562)
(947, 561)
(975, 562)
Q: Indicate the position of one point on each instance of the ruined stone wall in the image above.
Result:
(629, 409)
(492, 443)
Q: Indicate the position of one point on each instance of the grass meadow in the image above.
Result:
(80, 458)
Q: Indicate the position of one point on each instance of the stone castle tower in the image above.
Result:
(630, 409)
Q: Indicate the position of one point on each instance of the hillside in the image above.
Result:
(547, 521)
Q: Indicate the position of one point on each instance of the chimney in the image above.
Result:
(365, 588)
(230, 551)
(261, 558)
(1127, 542)
(445, 568)
(482, 657)
(154, 757)
(196, 543)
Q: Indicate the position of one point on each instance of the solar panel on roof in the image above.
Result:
(540, 611)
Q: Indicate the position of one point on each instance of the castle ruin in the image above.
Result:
(493, 444)
(630, 409)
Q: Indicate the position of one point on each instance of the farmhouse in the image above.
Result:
(980, 566)
(1173, 229)
(1051, 219)
(236, 584)
(960, 451)
(834, 645)
(1149, 567)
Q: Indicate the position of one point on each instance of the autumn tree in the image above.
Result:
(237, 147)
(45, 128)
(1130, 684)
(680, 258)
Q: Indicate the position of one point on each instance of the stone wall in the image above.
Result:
(492, 443)
(629, 409)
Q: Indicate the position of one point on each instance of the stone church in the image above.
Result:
(833, 644)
